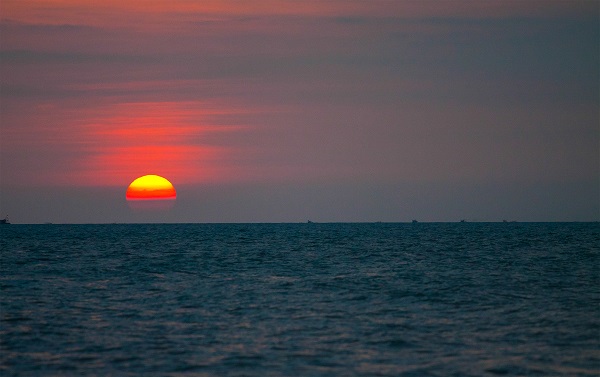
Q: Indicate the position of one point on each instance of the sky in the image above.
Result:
(288, 111)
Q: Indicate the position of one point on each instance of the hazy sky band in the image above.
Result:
(383, 94)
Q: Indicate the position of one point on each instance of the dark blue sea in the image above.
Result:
(425, 299)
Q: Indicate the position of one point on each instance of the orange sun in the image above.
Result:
(151, 187)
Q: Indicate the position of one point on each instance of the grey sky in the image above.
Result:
(389, 113)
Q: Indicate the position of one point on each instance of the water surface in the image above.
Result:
(461, 299)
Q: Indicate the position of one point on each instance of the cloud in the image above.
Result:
(365, 93)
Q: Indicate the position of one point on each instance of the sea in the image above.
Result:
(306, 299)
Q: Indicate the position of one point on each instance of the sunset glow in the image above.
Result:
(151, 187)
(271, 110)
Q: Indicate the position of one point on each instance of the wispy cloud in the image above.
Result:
(97, 93)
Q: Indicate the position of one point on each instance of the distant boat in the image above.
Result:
(414, 221)
(4, 221)
(309, 222)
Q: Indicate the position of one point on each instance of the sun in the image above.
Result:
(150, 187)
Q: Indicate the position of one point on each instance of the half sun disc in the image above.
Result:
(151, 187)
